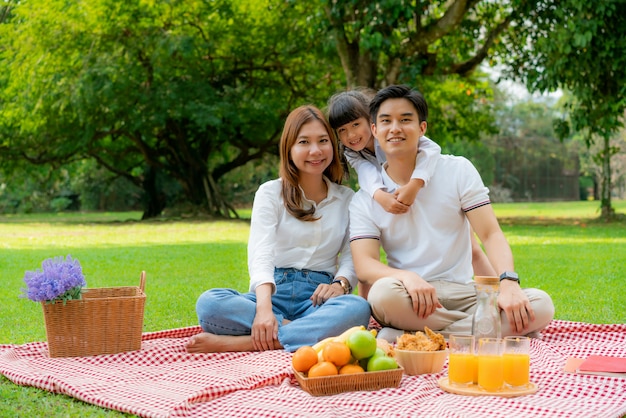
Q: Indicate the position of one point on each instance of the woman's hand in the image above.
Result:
(325, 292)
(265, 332)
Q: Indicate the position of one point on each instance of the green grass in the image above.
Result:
(558, 247)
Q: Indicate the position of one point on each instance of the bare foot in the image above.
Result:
(206, 342)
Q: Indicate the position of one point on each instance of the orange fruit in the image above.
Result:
(304, 358)
(337, 353)
(351, 369)
(324, 368)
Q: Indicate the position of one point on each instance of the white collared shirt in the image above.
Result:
(277, 239)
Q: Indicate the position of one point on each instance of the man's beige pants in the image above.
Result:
(392, 307)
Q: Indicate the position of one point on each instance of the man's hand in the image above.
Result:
(515, 304)
(423, 294)
(389, 202)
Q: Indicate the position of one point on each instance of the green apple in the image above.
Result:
(381, 362)
(362, 344)
(379, 352)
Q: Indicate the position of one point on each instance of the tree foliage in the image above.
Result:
(381, 42)
(192, 89)
(436, 46)
(579, 46)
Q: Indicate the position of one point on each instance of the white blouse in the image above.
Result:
(277, 239)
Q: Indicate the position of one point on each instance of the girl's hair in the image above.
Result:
(348, 106)
(292, 194)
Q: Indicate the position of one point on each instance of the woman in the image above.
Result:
(299, 260)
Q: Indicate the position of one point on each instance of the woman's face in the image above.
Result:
(355, 135)
(312, 152)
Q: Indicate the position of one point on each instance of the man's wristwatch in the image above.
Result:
(510, 275)
(345, 285)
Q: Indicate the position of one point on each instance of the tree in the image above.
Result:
(191, 89)
(427, 44)
(380, 42)
(579, 46)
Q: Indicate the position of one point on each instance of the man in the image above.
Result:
(428, 278)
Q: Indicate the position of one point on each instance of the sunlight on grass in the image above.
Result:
(589, 209)
(101, 235)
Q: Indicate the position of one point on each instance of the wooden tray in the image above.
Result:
(332, 385)
(474, 390)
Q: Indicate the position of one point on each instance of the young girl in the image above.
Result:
(348, 114)
(299, 260)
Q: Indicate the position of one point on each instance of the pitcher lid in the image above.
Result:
(487, 280)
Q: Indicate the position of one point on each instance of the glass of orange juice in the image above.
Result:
(462, 362)
(516, 359)
(490, 364)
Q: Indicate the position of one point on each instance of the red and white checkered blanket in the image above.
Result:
(162, 380)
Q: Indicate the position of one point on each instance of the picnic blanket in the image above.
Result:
(162, 380)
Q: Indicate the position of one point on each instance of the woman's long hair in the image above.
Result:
(289, 173)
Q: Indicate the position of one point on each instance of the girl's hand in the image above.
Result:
(407, 193)
(389, 202)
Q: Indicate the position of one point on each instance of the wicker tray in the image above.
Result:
(332, 385)
(105, 321)
(474, 390)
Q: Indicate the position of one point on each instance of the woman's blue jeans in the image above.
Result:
(228, 312)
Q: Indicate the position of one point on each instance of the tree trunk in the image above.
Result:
(154, 199)
(608, 212)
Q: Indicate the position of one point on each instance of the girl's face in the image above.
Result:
(312, 152)
(355, 135)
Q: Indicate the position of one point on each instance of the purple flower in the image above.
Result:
(58, 279)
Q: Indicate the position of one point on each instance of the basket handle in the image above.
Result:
(142, 281)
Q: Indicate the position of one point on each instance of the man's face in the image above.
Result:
(397, 127)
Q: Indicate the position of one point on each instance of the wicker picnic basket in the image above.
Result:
(332, 385)
(105, 321)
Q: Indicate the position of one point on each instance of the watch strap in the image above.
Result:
(510, 275)
(345, 285)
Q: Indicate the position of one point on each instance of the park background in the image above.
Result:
(176, 107)
(134, 134)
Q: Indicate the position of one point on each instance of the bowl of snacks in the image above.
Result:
(421, 353)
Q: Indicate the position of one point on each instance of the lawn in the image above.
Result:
(558, 247)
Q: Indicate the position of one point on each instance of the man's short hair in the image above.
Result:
(400, 91)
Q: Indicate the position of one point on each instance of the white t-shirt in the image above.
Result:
(433, 237)
(277, 239)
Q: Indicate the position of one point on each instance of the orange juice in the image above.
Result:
(490, 372)
(516, 369)
(462, 368)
